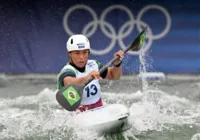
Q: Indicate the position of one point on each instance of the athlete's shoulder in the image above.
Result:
(68, 69)
(67, 66)
(95, 63)
(92, 62)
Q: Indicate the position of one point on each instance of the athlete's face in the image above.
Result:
(79, 58)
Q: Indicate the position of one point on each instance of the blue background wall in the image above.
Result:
(33, 33)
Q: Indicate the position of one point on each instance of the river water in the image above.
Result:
(164, 110)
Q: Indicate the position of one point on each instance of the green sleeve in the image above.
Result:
(63, 74)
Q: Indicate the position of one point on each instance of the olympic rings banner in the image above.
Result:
(33, 34)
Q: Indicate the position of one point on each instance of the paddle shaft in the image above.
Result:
(131, 46)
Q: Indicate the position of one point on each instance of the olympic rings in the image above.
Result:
(113, 35)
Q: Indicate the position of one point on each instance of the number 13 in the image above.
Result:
(91, 90)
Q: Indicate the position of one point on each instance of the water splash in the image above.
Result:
(196, 137)
(143, 69)
(39, 116)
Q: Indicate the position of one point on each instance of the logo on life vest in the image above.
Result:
(90, 64)
(81, 45)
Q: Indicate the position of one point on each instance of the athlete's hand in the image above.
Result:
(120, 53)
(95, 74)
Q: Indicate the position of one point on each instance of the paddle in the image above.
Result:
(69, 97)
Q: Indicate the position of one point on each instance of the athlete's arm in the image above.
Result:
(115, 72)
(69, 80)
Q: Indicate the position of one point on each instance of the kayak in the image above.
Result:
(107, 119)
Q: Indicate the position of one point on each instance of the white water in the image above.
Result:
(38, 115)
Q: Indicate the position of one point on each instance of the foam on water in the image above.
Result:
(40, 115)
(169, 110)
(196, 137)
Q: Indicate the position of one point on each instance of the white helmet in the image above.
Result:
(78, 42)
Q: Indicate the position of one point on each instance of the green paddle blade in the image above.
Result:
(69, 97)
(138, 43)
